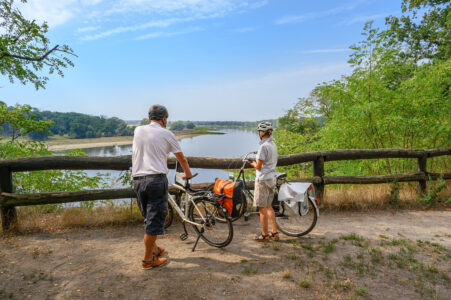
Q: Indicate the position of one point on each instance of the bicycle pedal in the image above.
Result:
(183, 236)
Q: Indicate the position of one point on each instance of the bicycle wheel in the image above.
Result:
(214, 233)
(296, 225)
(169, 216)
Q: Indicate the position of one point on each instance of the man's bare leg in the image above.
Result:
(150, 245)
(264, 220)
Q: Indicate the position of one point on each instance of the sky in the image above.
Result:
(202, 59)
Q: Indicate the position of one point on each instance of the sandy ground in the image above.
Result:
(104, 263)
(68, 144)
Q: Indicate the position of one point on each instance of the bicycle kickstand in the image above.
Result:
(197, 241)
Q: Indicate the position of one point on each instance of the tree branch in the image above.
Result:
(30, 58)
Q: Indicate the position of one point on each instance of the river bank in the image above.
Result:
(58, 143)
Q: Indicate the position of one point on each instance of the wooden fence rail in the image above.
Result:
(9, 200)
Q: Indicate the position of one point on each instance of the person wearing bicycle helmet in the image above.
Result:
(265, 182)
(152, 144)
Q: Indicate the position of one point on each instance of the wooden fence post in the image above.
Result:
(9, 215)
(318, 170)
(422, 162)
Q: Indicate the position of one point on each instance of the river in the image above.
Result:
(234, 143)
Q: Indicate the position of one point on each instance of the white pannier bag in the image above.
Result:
(295, 197)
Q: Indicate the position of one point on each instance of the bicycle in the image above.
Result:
(295, 225)
(200, 209)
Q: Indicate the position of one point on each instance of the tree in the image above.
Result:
(430, 38)
(396, 97)
(21, 121)
(177, 126)
(25, 49)
(144, 121)
(190, 125)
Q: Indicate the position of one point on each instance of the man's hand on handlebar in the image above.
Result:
(187, 175)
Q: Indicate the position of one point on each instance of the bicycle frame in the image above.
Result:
(179, 210)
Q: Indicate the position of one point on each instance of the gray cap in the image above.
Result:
(158, 112)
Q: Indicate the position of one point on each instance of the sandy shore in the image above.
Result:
(68, 144)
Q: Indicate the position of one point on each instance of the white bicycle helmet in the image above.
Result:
(264, 126)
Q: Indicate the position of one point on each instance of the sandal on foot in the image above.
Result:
(261, 238)
(154, 262)
(159, 252)
(274, 236)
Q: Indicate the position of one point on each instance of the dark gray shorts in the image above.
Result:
(152, 196)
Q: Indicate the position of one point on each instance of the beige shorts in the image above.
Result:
(263, 194)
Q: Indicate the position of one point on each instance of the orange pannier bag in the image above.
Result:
(233, 195)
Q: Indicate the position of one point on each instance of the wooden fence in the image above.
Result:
(9, 200)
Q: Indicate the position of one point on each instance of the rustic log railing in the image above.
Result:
(9, 200)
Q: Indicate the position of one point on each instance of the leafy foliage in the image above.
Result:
(25, 49)
(43, 181)
(75, 125)
(396, 97)
(20, 121)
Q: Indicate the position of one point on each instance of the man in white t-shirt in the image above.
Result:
(152, 145)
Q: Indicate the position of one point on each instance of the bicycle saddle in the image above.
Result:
(281, 175)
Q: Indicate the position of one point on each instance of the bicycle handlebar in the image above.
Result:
(245, 157)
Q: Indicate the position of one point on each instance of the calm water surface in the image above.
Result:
(233, 144)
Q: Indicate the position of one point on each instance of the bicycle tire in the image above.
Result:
(223, 231)
(298, 225)
(169, 217)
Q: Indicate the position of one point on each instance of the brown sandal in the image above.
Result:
(274, 236)
(154, 262)
(159, 252)
(261, 238)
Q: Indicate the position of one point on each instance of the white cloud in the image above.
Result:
(168, 34)
(117, 30)
(54, 12)
(164, 13)
(159, 13)
(87, 29)
(291, 19)
(325, 51)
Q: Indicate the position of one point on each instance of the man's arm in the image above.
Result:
(257, 165)
(184, 163)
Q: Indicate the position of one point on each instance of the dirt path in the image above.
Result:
(405, 255)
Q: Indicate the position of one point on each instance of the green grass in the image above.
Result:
(305, 283)
(293, 242)
(362, 292)
(352, 237)
(308, 247)
(330, 247)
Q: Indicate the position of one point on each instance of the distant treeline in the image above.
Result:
(181, 125)
(76, 125)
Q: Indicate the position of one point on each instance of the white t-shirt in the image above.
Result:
(267, 152)
(151, 147)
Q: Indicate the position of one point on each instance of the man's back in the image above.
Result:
(151, 147)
